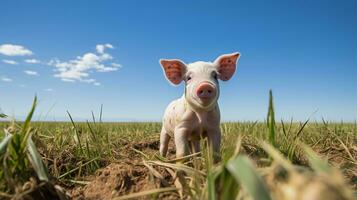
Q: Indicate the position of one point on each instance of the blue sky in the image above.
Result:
(305, 51)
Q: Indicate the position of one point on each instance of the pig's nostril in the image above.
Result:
(206, 91)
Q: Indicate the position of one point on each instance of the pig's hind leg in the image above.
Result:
(164, 142)
(194, 146)
(214, 139)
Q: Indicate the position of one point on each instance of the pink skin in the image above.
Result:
(205, 91)
(196, 114)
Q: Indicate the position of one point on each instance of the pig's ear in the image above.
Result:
(227, 65)
(174, 70)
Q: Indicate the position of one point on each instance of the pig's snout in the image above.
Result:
(206, 91)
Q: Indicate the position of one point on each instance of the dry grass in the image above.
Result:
(97, 160)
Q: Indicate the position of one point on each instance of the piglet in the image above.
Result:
(196, 114)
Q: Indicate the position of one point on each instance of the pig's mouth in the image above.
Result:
(202, 103)
(206, 101)
(205, 104)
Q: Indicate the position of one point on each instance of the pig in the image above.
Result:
(196, 114)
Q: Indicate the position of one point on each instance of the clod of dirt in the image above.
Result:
(126, 177)
(115, 180)
(154, 145)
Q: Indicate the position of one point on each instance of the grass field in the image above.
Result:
(97, 160)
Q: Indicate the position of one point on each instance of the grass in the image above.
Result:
(73, 152)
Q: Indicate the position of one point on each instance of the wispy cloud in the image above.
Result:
(79, 69)
(31, 73)
(101, 47)
(10, 62)
(48, 90)
(67, 80)
(116, 65)
(91, 80)
(5, 79)
(14, 50)
(32, 61)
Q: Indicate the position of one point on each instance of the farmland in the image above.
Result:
(102, 160)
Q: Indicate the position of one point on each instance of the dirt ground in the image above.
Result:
(129, 175)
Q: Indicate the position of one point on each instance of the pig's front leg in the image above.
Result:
(181, 141)
(164, 142)
(214, 140)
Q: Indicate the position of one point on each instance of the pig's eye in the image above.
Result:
(188, 78)
(214, 74)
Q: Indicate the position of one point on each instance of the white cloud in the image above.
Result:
(96, 84)
(14, 50)
(22, 85)
(89, 80)
(5, 79)
(116, 65)
(31, 73)
(10, 62)
(32, 61)
(48, 90)
(67, 80)
(79, 69)
(101, 47)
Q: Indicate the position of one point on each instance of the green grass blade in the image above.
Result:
(271, 120)
(29, 116)
(101, 113)
(36, 161)
(93, 134)
(301, 129)
(277, 156)
(185, 168)
(283, 127)
(76, 132)
(244, 172)
(228, 184)
(318, 164)
(4, 142)
(26, 132)
(208, 154)
(77, 168)
(93, 117)
(211, 185)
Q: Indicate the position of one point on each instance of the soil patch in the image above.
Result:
(126, 176)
